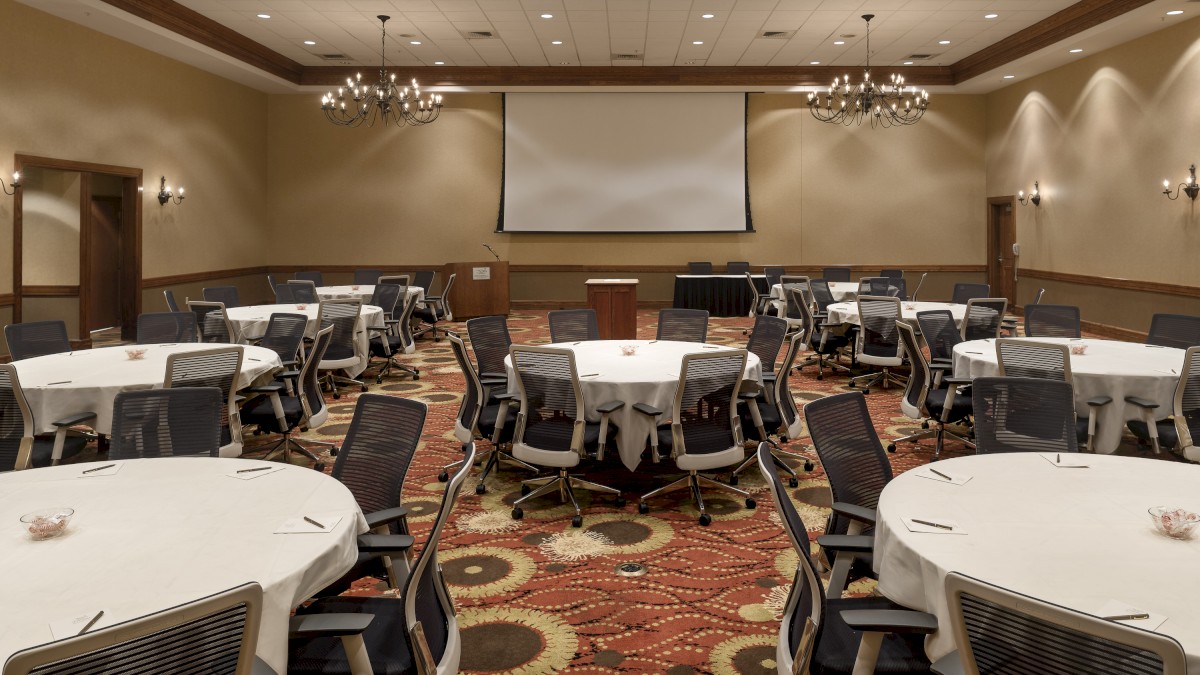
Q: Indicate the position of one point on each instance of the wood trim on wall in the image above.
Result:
(682, 269)
(195, 277)
(577, 304)
(1113, 282)
(50, 291)
(7, 299)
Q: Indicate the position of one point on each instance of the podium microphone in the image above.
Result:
(492, 251)
(914, 295)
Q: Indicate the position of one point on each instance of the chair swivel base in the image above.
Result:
(334, 380)
(883, 378)
(693, 480)
(491, 460)
(939, 432)
(566, 484)
(287, 444)
(776, 453)
(821, 362)
(392, 363)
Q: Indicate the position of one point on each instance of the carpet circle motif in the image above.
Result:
(517, 641)
(482, 571)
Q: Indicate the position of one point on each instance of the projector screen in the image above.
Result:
(624, 162)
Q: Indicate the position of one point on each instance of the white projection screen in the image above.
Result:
(624, 162)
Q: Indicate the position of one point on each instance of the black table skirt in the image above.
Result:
(721, 296)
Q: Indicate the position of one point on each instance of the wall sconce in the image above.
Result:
(1190, 188)
(16, 184)
(165, 195)
(1035, 197)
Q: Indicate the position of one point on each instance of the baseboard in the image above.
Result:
(577, 304)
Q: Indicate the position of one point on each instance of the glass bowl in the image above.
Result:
(301, 306)
(1174, 522)
(1079, 350)
(135, 353)
(629, 350)
(47, 523)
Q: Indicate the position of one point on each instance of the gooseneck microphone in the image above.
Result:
(493, 252)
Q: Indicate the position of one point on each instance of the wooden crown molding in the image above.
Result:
(195, 26)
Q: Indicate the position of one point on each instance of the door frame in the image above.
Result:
(1006, 275)
(131, 237)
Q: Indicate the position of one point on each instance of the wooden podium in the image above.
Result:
(480, 289)
(615, 303)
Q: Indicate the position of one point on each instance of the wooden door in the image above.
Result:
(1001, 259)
(102, 290)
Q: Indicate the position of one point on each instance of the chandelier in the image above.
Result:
(884, 105)
(382, 100)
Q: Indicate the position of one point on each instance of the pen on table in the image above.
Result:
(91, 623)
(941, 474)
(63, 382)
(1126, 617)
(1058, 459)
(575, 343)
(257, 468)
(590, 375)
(100, 468)
(932, 524)
(310, 520)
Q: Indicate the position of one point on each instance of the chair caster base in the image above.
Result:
(480, 489)
(577, 521)
(525, 489)
(793, 482)
(705, 519)
(443, 477)
(808, 465)
(891, 447)
(336, 396)
(750, 503)
(319, 466)
(643, 508)
(334, 451)
(733, 479)
(517, 513)
(365, 389)
(619, 502)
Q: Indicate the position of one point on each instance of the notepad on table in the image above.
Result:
(933, 525)
(1115, 610)
(298, 524)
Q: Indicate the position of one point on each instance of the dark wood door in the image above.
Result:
(102, 287)
(1001, 259)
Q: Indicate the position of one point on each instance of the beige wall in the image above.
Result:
(50, 217)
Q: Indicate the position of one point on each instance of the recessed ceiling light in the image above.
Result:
(439, 63)
(943, 42)
(309, 42)
(1076, 50)
(547, 16)
(1175, 12)
(707, 16)
(814, 63)
(839, 42)
(697, 42)
(1009, 77)
(556, 42)
(990, 16)
(264, 16)
(414, 42)
(908, 63)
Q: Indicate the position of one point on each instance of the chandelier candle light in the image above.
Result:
(887, 105)
(382, 100)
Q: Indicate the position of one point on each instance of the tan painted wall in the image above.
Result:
(50, 247)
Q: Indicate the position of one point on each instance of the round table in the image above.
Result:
(58, 385)
(161, 532)
(649, 376)
(843, 291)
(847, 312)
(1080, 537)
(252, 320)
(1107, 368)
(363, 292)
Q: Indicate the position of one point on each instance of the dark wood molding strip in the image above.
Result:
(195, 26)
(7, 299)
(1071, 21)
(194, 277)
(864, 270)
(528, 305)
(23, 161)
(1114, 332)
(50, 291)
(1112, 282)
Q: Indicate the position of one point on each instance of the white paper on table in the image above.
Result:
(1118, 608)
(955, 478)
(1064, 460)
(929, 529)
(299, 525)
(110, 471)
(65, 628)
(251, 475)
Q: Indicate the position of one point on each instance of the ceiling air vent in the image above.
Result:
(333, 57)
(626, 57)
(479, 34)
(919, 57)
(777, 34)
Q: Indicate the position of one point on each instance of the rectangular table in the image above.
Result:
(720, 294)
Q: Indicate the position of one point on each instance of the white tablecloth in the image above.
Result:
(252, 321)
(90, 379)
(650, 376)
(161, 532)
(847, 312)
(843, 291)
(1076, 537)
(363, 292)
(1107, 368)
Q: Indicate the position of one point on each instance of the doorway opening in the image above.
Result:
(1001, 254)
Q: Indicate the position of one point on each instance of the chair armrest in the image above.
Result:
(287, 374)
(855, 512)
(265, 389)
(303, 626)
(950, 664)
(484, 377)
(1139, 402)
(506, 396)
(941, 364)
(290, 363)
(750, 395)
(850, 543)
(611, 406)
(72, 420)
(1100, 401)
(260, 667)
(957, 380)
(890, 621)
(385, 516)
(647, 409)
(384, 543)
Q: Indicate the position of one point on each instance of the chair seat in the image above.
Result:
(384, 639)
(1168, 437)
(426, 314)
(696, 459)
(832, 343)
(487, 422)
(557, 433)
(260, 412)
(43, 448)
(394, 345)
(838, 646)
(935, 402)
(769, 414)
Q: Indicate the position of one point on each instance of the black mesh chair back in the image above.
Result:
(705, 410)
(1174, 330)
(788, 412)
(877, 286)
(387, 297)
(877, 335)
(314, 276)
(1002, 631)
(940, 333)
(573, 325)
(16, 421)
(272, 283)
(342, 314)
(166, 328)
(378, 449)
(795, 294)
(1052, 321)
(821, 294)
(836, 273)
(737, 267)
(899, 287)
(285, 293)
(36, 338)
(700, 268)
(424, 279)
(766, 339)
(1021, 414)
(405, 306)
(284, 334)
(965, 291)
(217, 367)
(166, 423)
(682, 325)
(982, 318)
(212, 322)
(226, 295)
(892, 273)
(169, 296)
(850, 451)
(367, 277)
(303, 290)
(215, 634)
(472, 400)
(1043, 360)
(398, 279)
(490, 342)
(919, 379)
(551, 416)
(312, 401)
(773, 273)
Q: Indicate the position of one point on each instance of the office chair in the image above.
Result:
(36, 338)
(836, 273)
(174, 422)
